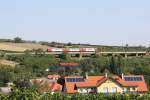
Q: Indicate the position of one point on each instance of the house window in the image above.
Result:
(125, 89)
(105, 89)
(83, 90)
(128, 89)
(134, 88)
(114, 89)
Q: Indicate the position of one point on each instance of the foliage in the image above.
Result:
(32, 94)
(18, 40)
(6, 74)
(116, 65)
(65, 56)
(32, 66)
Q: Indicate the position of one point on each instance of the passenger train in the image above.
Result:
(72, 50)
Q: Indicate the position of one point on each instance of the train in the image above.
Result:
(72, 50)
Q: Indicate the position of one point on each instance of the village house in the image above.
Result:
(105, 84)
(48, 84)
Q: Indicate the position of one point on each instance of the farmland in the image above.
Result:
(8, 63)
(21, 47)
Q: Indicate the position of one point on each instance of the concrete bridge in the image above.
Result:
(84, 54)
(126, 54)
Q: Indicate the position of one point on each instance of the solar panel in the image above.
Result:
(74, 79)
(133, 78)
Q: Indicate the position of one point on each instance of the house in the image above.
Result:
(105, 84)
(7, 89)
(79, 84)
(53, 77)
(48, 84)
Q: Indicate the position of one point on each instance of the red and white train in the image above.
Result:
(72, 50)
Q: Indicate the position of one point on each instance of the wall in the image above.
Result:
(109, 84)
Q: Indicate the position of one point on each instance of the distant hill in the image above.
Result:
(21, 47)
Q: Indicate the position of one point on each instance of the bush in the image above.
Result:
(32, 94)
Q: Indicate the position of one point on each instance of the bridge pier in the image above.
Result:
(113, 54)
(126, 55)
(80, 55)
(137, 54)
(97, 54)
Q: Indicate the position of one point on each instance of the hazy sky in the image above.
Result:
(111, 22)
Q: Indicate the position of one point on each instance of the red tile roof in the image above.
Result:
(141, 85)
(53, 76)
(94, 81)
(55, 87)
(69, 64)
(91, 81)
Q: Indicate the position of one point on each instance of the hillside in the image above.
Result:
(8, 63)
(20, 47)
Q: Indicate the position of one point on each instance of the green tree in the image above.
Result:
(39, 51)
(116, 65)
(18, 40)
(65, 56)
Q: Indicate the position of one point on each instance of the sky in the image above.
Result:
(102, 22)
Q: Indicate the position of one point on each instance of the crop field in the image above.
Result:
(8, 63)
(20, 47)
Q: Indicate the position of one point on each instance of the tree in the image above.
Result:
(2, 54)
(65, 56)
(126, 47)
(18, 40)
(61, 81)
(112, 64)
(39, 52)
(27, 52)
(119, 65)
(116, 64)
(69, 44)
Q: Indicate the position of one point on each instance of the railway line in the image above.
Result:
(125, 54)
(84, 52)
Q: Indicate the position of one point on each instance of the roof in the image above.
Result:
(69, 64)
(53, 76)
(47, 85)
(55, 87)
(141, 85)
(91, 81)
(94, 81)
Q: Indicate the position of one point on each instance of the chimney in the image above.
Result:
(122, 76)
(106, 75)
(86, 76)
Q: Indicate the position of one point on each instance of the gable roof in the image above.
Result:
(55, 87)
(105, 79)
(94, 81)
(91, 81)
(141, 85)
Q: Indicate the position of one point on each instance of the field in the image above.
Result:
(8, 63)
(20, 47)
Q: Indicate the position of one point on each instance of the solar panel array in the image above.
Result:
(75, 80)
(133, 78)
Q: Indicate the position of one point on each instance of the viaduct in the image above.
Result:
(88, 54)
